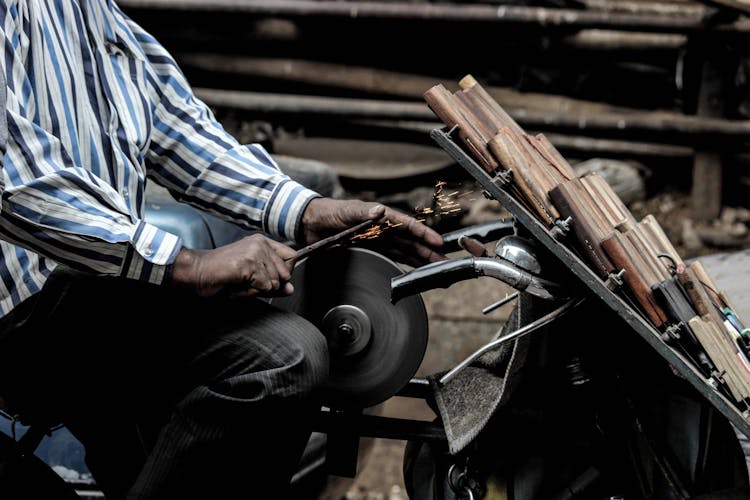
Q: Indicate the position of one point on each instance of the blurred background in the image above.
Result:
(653, 94)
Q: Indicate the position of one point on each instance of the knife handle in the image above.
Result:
(469, 85)
(618, 248)
(587, 225)
(615, 211)
(444, 105)
(508, 154)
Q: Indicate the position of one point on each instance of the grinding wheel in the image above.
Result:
(375, 346)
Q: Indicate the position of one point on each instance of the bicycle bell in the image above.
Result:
(519, 251)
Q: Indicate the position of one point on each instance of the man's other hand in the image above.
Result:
(253, 266)
(405, 239)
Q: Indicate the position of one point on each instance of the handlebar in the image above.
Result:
(445, 273)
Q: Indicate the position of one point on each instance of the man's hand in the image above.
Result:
(253, 266)
(406, 240)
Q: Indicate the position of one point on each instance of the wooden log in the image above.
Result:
(508, 14)
(532, 110)
(738, 5)
(573, 144)
(612, 41)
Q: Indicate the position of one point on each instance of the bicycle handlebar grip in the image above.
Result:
(436, 275)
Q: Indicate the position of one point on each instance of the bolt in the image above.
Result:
(346, 332)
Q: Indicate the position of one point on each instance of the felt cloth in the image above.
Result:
(467, 402)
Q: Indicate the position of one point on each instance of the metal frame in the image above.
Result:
(494, 188)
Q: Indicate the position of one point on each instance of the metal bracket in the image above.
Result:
(561, 228)
(672, 332)
(717, 378)
(502, 178)
(614, 280)
(564, 225)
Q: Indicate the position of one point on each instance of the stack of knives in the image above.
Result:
(634, 258)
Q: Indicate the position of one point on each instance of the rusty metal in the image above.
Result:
(338, 238)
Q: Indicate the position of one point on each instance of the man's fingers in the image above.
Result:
(376, 212)
(407, 251)
(419, 230)
(419, 251)
(282, 259)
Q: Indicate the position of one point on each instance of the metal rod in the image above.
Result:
(332, 240)
(540, 16)
(535, 325)
(377, 426)
(500, 303)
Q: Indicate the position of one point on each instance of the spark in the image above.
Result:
(443, 203)
(374, 232)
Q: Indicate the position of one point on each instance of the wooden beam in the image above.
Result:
(549, 18)
(688, 129)
(706, 192)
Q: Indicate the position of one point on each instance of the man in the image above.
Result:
(157, 357)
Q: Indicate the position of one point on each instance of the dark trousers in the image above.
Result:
(173, 396)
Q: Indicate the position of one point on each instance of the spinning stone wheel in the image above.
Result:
(375, 346)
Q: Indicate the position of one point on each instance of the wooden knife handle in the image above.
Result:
(614, 209)
(570, 200)
(721, 355)
(621, 252)
(648, 254)
(655, 232)
(708, 283)
(697, 293)
(549, 151)
(507, 153)
(556, 167)
(443, 104)
(469, 85)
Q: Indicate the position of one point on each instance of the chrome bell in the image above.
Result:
(518, 251)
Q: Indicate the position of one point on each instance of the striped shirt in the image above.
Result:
(94, 107)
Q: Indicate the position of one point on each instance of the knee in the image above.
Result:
(279, 355)
(310, 364)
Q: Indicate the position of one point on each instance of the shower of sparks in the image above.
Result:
(374, 231)
(443, 203)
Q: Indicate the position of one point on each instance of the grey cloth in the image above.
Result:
(467, 402)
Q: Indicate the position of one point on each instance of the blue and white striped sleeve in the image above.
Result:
(56, 208)
(3, 128)
(202, 164)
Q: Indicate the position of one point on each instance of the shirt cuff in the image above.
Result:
(152, 251)
(283, 214)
